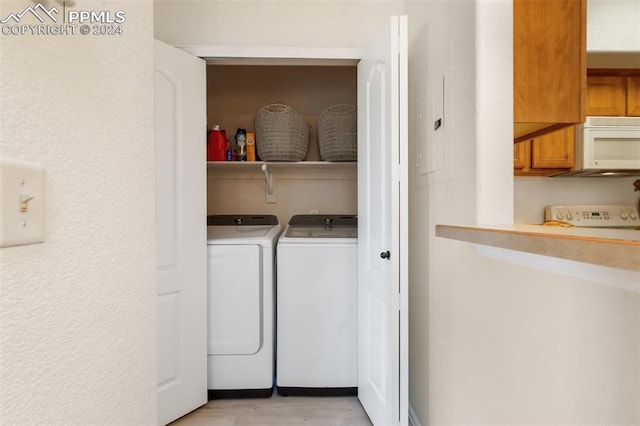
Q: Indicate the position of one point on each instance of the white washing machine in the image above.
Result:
(241, 291)
(317, 338)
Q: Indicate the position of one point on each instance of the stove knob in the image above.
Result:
(569, 216)
(559, 216)
(633, 215)
(624, 215)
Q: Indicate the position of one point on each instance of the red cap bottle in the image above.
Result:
(216, 149)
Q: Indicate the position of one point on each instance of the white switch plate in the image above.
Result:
(21, 223)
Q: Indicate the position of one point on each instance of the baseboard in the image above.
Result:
(413, 418)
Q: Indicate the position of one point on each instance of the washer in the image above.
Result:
(317, 306)
(241, 267)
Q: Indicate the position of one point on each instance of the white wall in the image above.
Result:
(613, 35)
(494, 341)
(318, 23)
(612, 26)
(77, 313)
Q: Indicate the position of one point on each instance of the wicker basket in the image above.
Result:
(281, 134)
(338, 133)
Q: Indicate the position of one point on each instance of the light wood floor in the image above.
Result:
(279, 410)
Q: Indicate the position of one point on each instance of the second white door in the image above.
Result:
(382, 227)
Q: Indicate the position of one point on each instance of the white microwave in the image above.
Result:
(607, 146)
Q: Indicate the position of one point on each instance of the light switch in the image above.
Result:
(21, 203)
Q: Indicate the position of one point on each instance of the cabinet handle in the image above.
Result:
(385, 255)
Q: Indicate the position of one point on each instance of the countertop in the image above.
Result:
(617, 248)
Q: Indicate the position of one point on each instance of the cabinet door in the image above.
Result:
(553, 150)
(520, 156)
(633, 96)
(605, 96)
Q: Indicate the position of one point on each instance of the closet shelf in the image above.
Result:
(276, 165)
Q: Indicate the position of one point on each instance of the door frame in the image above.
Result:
(260, 55)
(274, 55)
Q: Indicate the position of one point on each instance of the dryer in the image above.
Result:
(317, 306)
(241, 256)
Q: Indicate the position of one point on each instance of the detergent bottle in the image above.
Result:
(216, 149)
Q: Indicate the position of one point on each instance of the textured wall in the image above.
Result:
(77, 313)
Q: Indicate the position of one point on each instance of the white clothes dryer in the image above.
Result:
(241, 268)
(317, 306)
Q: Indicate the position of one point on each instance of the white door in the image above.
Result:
(180, 129)
(382, 227)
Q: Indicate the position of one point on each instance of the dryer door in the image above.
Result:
(235, 299)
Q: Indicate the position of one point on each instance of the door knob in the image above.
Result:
(385, 254)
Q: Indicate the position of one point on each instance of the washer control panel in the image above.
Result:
(602, 216)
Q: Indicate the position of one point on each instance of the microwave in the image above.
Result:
(607, 146)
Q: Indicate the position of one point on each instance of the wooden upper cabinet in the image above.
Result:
(606, 95)
(550, 65)
(614, 92)
(633, 96)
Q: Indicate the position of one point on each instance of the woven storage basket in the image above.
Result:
(281, 134)
(338, 133)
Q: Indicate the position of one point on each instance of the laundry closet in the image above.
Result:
(238, 82)
(313, 279)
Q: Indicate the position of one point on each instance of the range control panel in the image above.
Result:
(610, 216)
